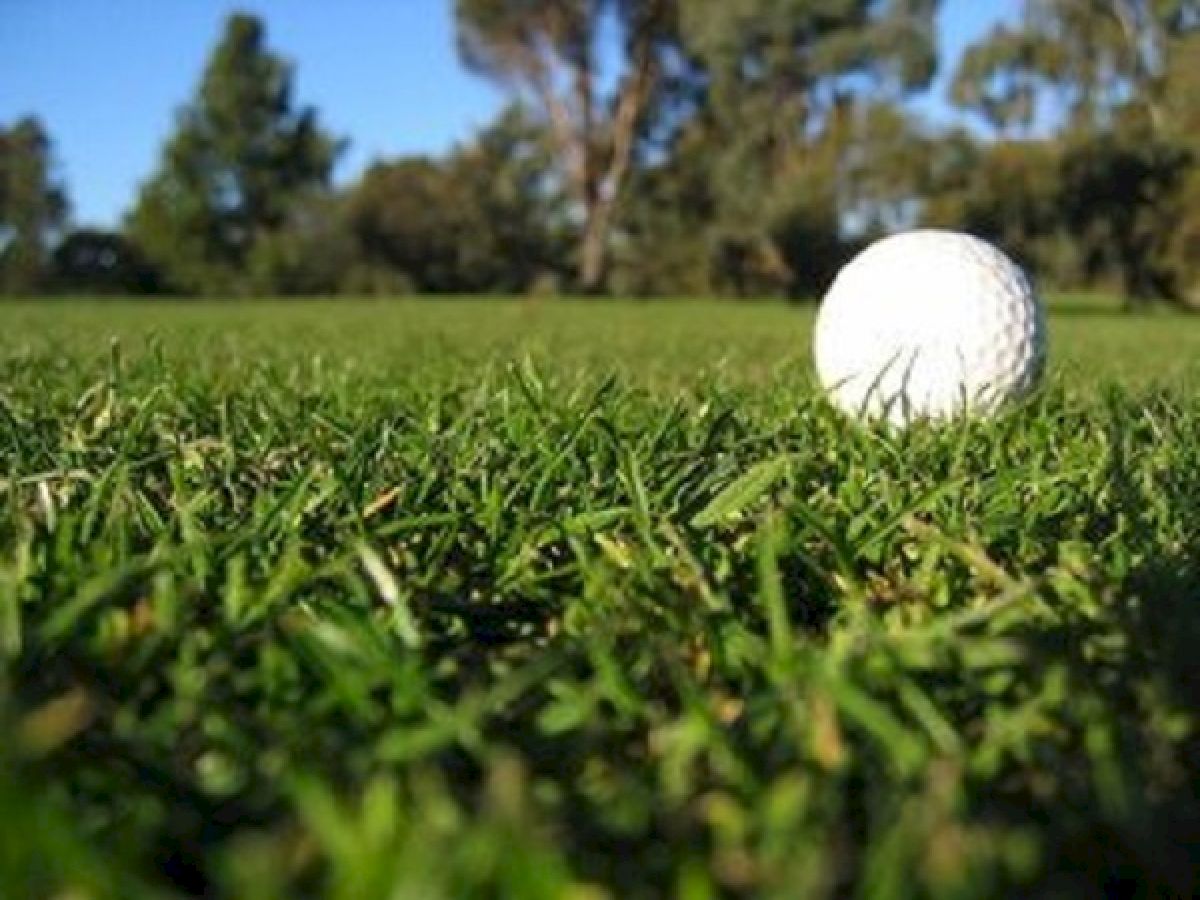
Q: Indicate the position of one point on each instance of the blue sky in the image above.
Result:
(106, 77)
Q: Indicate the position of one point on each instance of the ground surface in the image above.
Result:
(588, 599)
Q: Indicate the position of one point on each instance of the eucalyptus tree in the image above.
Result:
(792, 102)
(1093, 59)
(1111, 87)
(550, 53)
(754, 93)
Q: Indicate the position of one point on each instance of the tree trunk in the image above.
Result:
(593, 249)
(596, 151)
(603, 193)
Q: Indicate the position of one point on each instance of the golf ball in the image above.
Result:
(929, 324)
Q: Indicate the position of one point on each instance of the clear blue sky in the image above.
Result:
(106, 77)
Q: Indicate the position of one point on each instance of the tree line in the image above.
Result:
(744, 148)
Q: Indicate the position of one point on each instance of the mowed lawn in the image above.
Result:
(580, 599)
(656, 344)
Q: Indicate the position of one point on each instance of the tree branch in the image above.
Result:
(630, 101)
(585, 103)
(571, 143)
(1132, 29)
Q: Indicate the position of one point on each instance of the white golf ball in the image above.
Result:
(929, 324)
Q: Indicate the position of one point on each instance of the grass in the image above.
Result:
(584, 600)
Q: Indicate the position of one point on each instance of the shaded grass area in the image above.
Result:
(546, 600)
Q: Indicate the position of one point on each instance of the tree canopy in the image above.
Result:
(670, 147)
(1115, 181)
(548, 53)
(33, 206)
(241, 156)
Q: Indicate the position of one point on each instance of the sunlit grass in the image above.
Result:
(530, 598)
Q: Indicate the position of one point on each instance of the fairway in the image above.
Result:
(682, 342)
(582, 599)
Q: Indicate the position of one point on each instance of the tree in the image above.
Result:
(485, 219)
(1122, 74)
(767, 127)
(33, 206)
(998, 79)
(1183, 250)
(311, 252)
(547, 51)
(92, 261)
(241, 157)
(405, 221)
(1120, 200)
(1182, 111)
(1097, 56)
(664, 247)
(1008, 191)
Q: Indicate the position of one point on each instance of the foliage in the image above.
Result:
(1123, 71)
(483, 220)
(1077, 211)
(672, 148)
(531, 600)
(1007, 191)
(403, 216)
(1184, 240)
(242, 155)
(33, 206)
(549, 52)
(91, 261)
(310, 253)
(1098, 56)
(773, 131)
(1119, 200)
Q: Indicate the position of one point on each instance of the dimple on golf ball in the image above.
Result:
(929, 325)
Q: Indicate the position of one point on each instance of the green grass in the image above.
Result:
(589, 599)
